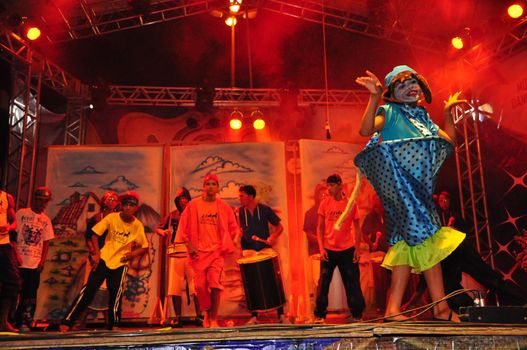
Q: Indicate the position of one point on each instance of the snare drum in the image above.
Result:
(262, 282)
(177, 251)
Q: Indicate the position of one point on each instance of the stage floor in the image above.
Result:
(394, 335)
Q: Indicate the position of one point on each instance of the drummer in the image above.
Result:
(179, 269)
(254, 220)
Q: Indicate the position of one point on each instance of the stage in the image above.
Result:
(362, 335)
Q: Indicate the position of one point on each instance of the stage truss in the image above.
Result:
(471, 179)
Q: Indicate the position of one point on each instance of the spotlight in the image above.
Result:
(235, 124)
(235, 121)
(234, 6)
(258, 121)
(231, 21)
(457, 42)
(515, 10)
(259, 124)
(33, 33)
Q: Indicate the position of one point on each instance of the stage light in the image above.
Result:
(234, 6)
(33, 33)
(457, 42)
(259, 124)
(235, 121)
(231, 21)
(515, 10)
(235, 124)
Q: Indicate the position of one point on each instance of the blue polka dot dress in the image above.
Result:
(403, 173)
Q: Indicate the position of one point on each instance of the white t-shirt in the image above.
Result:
(33, 229)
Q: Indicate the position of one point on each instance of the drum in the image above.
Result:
(262, 282)
(177, 251)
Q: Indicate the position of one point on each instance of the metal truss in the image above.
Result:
(23, 137)
(470, 175)
(186, 96)
(95, 17)
(76, 113)
(316, 12)
(13, 48)
(511, 42)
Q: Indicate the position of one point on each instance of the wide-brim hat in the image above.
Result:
(400, 74)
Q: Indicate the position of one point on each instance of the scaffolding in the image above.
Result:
(470, 176)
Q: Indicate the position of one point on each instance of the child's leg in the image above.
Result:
(434, 280)
(400, 275)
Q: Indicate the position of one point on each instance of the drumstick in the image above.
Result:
(258, 239)
(351, 201)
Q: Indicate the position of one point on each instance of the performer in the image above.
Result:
(124, 232)
(207, 227)
(33, 235)
(254, 220)
(109, 203)
(10, 276)
(338, 248)
(179, 269)
(402, 169)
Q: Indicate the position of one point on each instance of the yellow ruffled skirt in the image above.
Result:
(427, 254)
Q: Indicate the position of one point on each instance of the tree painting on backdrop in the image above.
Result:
(78, 177)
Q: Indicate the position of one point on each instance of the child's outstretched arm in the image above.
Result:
(370, 122)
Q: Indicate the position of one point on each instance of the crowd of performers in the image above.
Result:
(419, 232)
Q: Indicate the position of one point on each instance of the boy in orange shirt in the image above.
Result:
(337, 249)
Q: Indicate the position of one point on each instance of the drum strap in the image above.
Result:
(245, 214)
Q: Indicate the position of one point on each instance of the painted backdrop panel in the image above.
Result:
(78, 176)
(259, 164)
(318, 160)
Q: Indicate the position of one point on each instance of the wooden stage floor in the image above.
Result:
(394, 335)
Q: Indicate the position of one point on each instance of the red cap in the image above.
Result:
(129, 198)
(213, 177)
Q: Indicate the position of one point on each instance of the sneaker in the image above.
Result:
(319, 320)
(24, 328)
(252, 321)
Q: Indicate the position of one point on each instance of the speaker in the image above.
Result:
(494, 314)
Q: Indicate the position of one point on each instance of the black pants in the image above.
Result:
(28, 296)
(349, 271)
(114, 282)
(466, 259)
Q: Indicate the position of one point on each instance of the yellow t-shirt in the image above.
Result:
(120, 237)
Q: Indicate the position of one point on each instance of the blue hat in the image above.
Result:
(401, 73)
(395, 71)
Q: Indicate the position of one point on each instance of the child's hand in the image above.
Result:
(371, 82)
(453, 100)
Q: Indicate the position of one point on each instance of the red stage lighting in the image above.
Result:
(32, 33)
(231, 21)
(457, 42)
(259, 124)
(515, 10)
(235, 124)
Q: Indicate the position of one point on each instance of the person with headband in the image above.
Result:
(401, 162)
(339, 247)
(255, 219)
(208, 227)
(34, 232)
(10, 276)
(111, 262)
